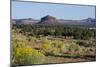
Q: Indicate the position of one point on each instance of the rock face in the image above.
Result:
(48, 20)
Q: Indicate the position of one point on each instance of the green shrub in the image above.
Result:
(85, 44)
(59, 45)
(55, 51)
(72, 47)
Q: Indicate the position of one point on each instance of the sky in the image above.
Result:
(60, 11)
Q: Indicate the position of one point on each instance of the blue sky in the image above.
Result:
(60, 11)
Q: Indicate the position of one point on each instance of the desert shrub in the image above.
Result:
(22, 53)
(31, 38)
(88, 51)
(73, 50)
(24, 56)
(62, 47)
(82, 43)
(18, 41)
(55, 51)
(52, 48)
(59, 44)
(45, 40)
(85, 44)
(58, 47)
(72, 47)
(46, 48)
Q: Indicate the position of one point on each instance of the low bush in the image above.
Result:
(46, 48)
(26, 56)
(85, 44)
(55, 51)
(72, 47)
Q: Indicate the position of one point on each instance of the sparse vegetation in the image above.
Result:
(36, 44)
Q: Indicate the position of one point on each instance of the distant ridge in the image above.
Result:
(50, 20)
(25, 21)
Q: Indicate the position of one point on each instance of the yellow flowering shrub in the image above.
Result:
(25, 56)
(59, 45)
(23, 53)
(46, 48)
(18, 41)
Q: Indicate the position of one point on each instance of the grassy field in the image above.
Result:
(32, 47)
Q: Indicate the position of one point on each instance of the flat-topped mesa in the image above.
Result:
(48, 20)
